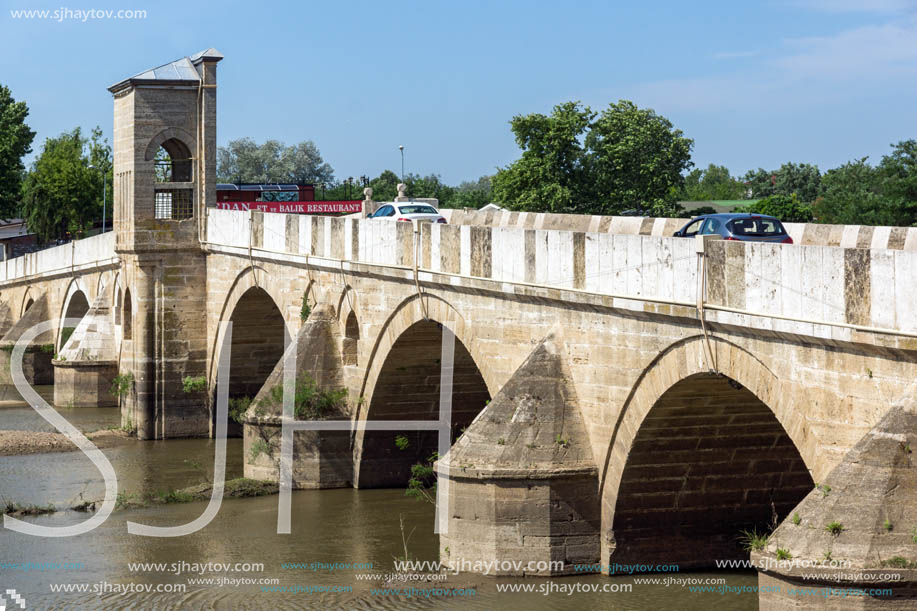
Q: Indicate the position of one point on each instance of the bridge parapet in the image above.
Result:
(828, 292)
(810, 234)
(95, 251)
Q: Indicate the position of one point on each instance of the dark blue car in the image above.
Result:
(742, 226)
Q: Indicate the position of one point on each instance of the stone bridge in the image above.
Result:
(618, 396)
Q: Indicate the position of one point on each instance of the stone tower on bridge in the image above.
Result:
(164, 175)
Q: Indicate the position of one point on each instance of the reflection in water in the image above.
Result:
(328, 526)
(17, 415)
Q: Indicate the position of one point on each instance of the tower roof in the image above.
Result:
(180, 71)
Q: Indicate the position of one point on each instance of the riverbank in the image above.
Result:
(16, 443)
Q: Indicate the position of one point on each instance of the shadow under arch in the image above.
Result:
(697, 457)
(403, 380)
(250, 277)
(76, 304)
(259, 337)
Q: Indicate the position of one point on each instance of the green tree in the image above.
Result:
(803, 179)
(15, 143)
(852, 196)
(898, 173)
(550, 176)
(62, 194)
(636, 160)
(578, 161)
(244, 160)
(713, 183)
(474, 194)
(787, 208)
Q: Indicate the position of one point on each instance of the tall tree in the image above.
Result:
(244, 160)
(15, 143)
(473, 194)
(852, 196)
(636, 159)
(714, 182)
(802, 179)
(550, 176)
(898, 173)
(578, 161)
(62, 194)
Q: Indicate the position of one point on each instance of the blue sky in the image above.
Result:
(753, 83)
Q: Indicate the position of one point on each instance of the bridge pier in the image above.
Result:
(321, 459)
(36, 361)
(87, 363)
(522, 483)
(856, 531)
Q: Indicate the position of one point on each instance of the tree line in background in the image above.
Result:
(621, 160)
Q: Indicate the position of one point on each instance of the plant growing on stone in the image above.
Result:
(887, 525)
(401, 442)
(825, 489)
(751, 540)
(914, 535)
(306, 308)
(191, 384)
(259, 447)
(898, 562)
(783, 554)
(121, 384)
(796, 519)
(422, 485)
(309, 401)
(835, 528)
(47, 348)
(501, 442)
(561, 441)
(65, 334)
(237, 408)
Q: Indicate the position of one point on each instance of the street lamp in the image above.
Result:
(104, 194)
(401, 148)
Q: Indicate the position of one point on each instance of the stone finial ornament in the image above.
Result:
(368, 194)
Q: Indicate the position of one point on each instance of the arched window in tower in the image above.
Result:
(172, 172)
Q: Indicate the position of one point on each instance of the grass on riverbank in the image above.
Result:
(238, 488)
(16, 510)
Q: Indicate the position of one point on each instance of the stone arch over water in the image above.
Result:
(698, 457)
(405, 377)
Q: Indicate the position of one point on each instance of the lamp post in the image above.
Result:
(401, 148)
(104, 194)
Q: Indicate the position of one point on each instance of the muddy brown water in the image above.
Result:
(328, 526)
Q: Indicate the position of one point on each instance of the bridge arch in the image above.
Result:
(697, 457)
(76, 305)
(27, 300)
(349, 320)
(259, 334)
(402, 382)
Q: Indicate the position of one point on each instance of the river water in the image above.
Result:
(328, 526)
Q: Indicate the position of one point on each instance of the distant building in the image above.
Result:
(16, 239)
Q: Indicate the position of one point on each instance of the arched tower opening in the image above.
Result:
(710, 462)
(172, 171)
(408, 388)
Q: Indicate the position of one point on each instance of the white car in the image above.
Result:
(408, 211)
